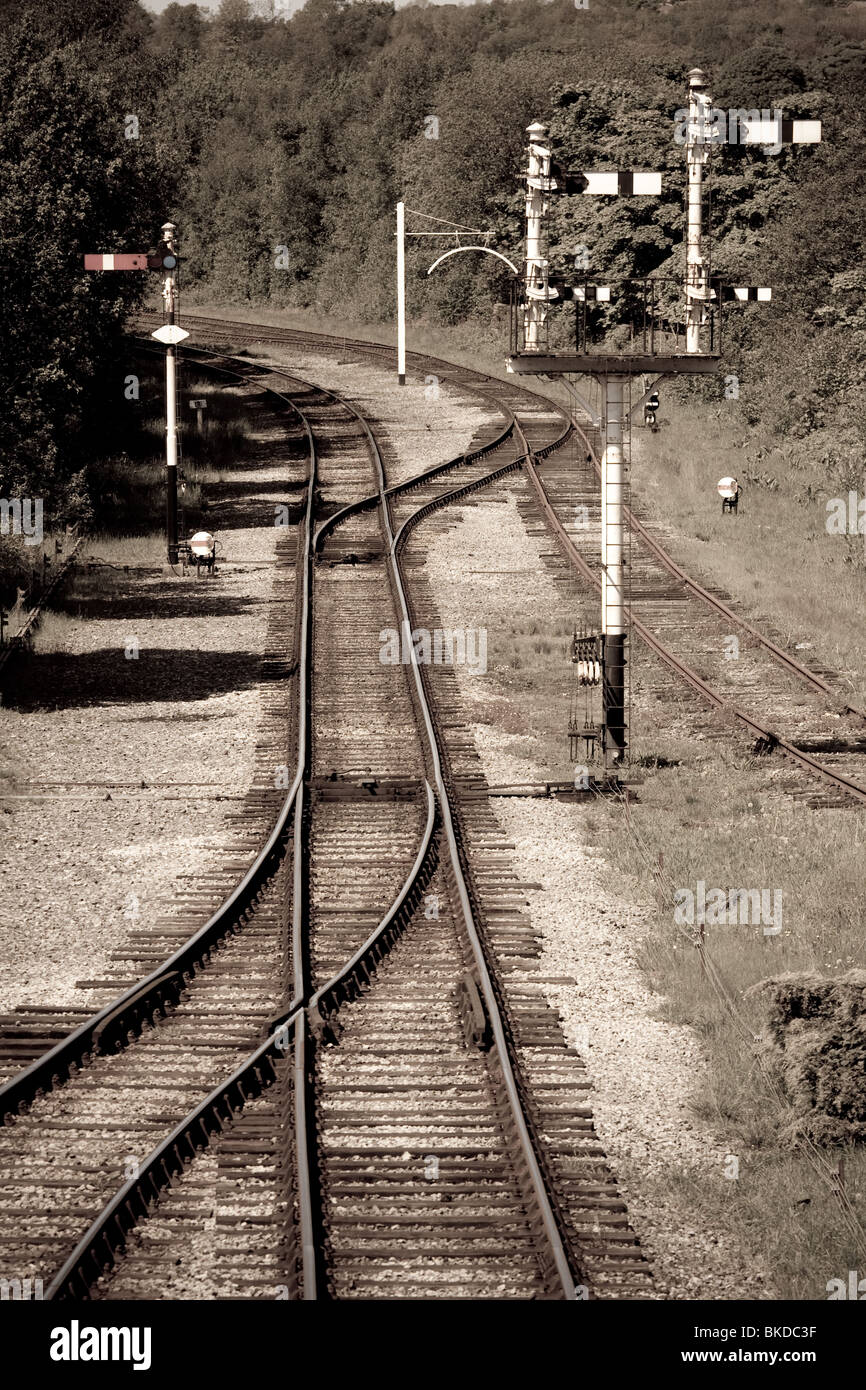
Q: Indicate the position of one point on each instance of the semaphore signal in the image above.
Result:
(615, 370)
(164, 260)
(578, 294)
(727, 293)
(121, 260)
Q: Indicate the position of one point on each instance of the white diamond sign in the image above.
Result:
(170, 333)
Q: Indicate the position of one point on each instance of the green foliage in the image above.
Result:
(70, 182)
(290, 140)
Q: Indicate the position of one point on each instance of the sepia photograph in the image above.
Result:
(432, 674)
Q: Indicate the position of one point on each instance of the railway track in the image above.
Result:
(394, 933)
(98, 1099)
(509, 1233)
(786, 706)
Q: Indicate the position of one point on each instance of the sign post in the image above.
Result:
(171, 335)
(199, 406)
(401, 294)
(165, 260)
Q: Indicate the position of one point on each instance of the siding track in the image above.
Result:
(384, 1104)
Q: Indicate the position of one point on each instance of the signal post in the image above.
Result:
(663, 352)
(164, 260)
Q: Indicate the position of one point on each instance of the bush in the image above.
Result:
(817, 1039)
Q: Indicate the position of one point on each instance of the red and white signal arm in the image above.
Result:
(132, 260)
(121, 260)
(727, 487)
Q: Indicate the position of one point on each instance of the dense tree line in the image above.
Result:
(282, 144)
(70, 182)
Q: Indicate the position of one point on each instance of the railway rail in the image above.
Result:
(799, 729)
(189, 1020)
(524, 1247)
(371, 1051)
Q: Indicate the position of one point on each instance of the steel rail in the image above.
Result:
(676, 664)
(538, 1173)
(671, 565)
(266, 333)
(535, 1185)
(109, 1028)
(696, 682)
(305, 1019)
(96, 1250)
(352, 978)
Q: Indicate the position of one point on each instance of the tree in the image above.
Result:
(69, 182)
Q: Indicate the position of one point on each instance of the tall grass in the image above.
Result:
(720, 817)
(775, 557)
(129, 490)
(713, 811)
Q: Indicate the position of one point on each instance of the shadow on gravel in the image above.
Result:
(239, 509)
(57, 680)
(196, 598)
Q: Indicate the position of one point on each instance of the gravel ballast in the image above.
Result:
(166, 740)
(644, 1070)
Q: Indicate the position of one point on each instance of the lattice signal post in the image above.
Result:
(657, 350)
(164, 260)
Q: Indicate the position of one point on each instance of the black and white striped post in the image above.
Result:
(163, 260)
(170, 334)
(538, 184)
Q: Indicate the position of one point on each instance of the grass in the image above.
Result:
(21, 565)
(725, 822)
(110, 556)
(775, 558)
(713, 811)
(129, 498)
(716, 813)
(129, 490)
(145, 550)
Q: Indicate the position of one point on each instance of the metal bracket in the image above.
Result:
(473, 1016)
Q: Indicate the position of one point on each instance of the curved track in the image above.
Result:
(515, 1200)
(372, 1049)
(783, 717)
